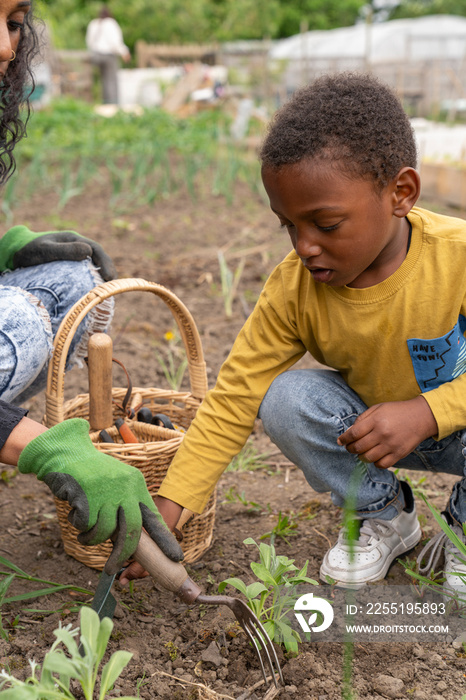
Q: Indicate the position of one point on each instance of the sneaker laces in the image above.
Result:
(369, 529)
(434, 548)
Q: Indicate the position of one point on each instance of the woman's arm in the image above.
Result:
(21, 435)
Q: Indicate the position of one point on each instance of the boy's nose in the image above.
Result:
(306, 247)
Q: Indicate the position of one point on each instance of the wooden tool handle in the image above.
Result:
(169, 574)
(100, 350)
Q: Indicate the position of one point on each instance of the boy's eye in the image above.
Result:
(327, 228)
(285, 224)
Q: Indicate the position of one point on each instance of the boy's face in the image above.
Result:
(343, 229)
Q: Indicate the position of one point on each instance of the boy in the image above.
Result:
(374, 289)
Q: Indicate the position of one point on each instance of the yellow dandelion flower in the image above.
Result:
(169, 336)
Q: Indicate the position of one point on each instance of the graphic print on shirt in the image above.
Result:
(439, 360)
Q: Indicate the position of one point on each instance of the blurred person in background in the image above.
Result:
(104, 40)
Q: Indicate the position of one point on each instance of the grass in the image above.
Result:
(248, 459)
(13, 572)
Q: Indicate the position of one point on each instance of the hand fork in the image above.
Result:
(173, 576)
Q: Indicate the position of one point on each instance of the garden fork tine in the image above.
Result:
(254, 629)
(173, 576)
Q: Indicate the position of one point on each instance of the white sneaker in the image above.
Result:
(454, 569)
(352, 564)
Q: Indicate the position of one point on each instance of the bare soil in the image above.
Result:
(175, 243)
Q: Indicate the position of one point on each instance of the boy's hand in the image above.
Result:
(21, 247)
(170, 512)
(387, 432)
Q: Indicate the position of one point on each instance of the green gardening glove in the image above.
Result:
(20, 247)
(108, 499)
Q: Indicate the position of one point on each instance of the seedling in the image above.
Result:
(417, 485)
(273, 595)
(286, 527)
(232, 496)
(230, 281)
(59, 669)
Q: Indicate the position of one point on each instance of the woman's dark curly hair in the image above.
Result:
(349, 118)
(15, 90)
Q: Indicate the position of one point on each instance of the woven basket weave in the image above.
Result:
(157, 445)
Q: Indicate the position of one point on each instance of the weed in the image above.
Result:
(140, 683)
(6, 582)
(68, 188)
(417, 485)
(232, 496)
(230, 281)
(175, 363)
(273, 595)
(172, 650)
(210, 579)
(81, 664)
(4, 585)
(286, 527)
(248, 459)
(6, 475)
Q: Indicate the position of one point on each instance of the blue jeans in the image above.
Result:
(33, 302)
(304, 412)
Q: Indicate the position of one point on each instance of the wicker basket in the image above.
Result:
(157, 446)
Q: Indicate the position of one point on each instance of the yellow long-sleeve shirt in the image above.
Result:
(390, 342)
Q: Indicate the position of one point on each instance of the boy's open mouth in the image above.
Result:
(321, 274)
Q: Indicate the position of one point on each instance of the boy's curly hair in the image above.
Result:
(351, 118)
(15, 90)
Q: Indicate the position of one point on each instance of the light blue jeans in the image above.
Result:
(304, 412)
(33, 302)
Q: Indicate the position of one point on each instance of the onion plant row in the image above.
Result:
(140, 158)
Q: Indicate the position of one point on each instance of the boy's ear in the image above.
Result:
(407, 188)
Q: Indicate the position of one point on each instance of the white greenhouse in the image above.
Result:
(424, 58)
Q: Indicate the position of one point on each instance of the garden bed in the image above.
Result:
(182, 651)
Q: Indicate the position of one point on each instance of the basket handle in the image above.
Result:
(54, 398)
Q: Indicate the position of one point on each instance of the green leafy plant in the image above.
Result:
(80, 663)
(285, 527)
(15, 572)
(273, 595)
